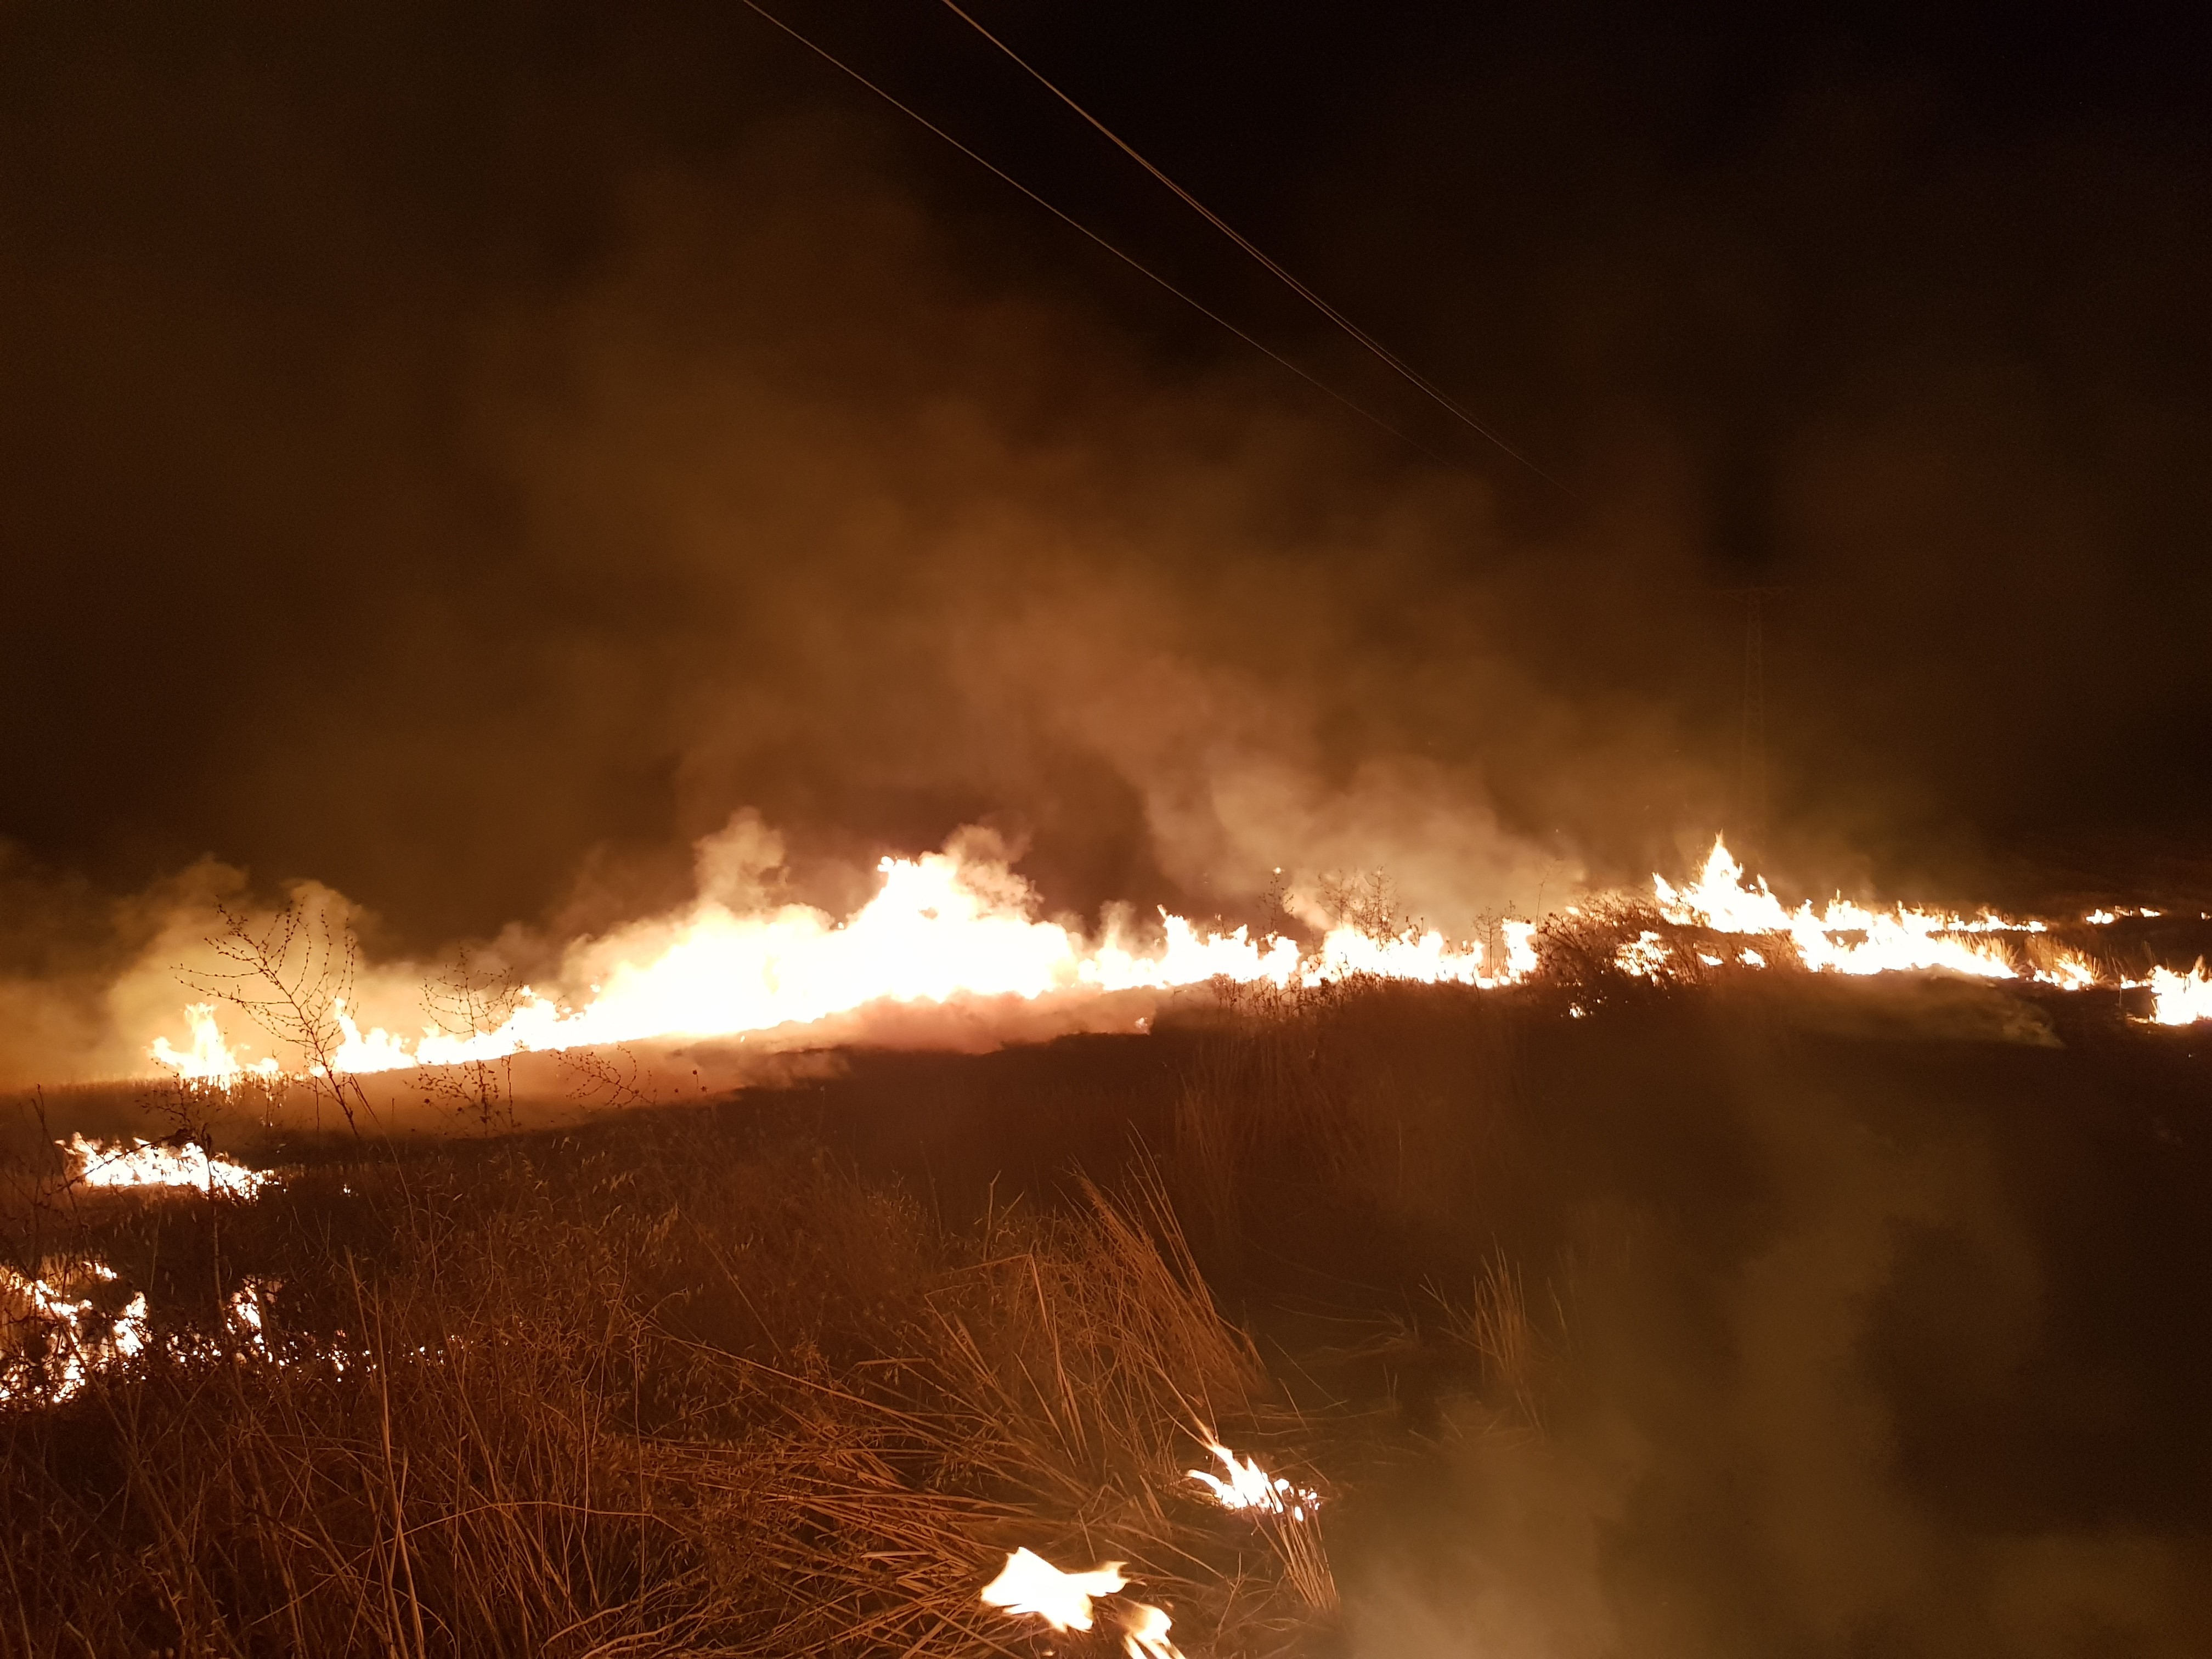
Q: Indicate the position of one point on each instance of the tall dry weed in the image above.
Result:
(680, 1397)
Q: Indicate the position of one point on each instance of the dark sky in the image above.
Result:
(463, 453)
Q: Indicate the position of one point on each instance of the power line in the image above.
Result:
(1076, 224)
(1412, 376)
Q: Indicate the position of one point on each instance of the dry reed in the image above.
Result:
(686, 1398)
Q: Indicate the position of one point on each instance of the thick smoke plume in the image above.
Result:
(468, 500)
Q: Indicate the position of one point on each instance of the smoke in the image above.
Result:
(480, 591)
(1855, 1357)
(1038, 586)
(777, 511)
(487, 492)
(502, 485)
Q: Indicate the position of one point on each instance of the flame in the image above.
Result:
(1647, 957)
(78, 1339)
(1144, 1634)
(953, 924)
(2180, 999)
(1849, 939)
(942, 926)
(1248, 1486)
(1031, 1584)
(209, 1060)
(241, 1316)
(2070, 970)
(1844, 938)
(70, 1340)
(145, 1164)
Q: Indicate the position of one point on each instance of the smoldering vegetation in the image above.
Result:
(1702, 1321)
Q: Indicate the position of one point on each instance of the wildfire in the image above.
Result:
(1844, 938)
(1849, 939)
(2071, 971)
(954, 924)
(145, 1163)
(942, 926)
(1146, 1635)
(58, 1338)
(1646, 958)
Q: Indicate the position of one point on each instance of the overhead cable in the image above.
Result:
(1398, 364)
(1070, 220)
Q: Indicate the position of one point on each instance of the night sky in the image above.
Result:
(463, 454)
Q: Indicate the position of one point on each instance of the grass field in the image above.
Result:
(1764, 1316)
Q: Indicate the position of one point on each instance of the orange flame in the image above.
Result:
(1030, 1584)
(209, 1060)
(79, 1340)
(939, 927)
(1248, 1486)
(2180, 999)
(1844, 938)
(144, 1164)
(952, 925)
(1144, 1634)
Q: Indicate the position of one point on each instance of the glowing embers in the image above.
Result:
(146, 1164)
(1031, 1587)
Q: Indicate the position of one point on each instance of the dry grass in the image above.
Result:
(671, 1395)
(1353, 1092)
(1497, 1324)
(690, 1384)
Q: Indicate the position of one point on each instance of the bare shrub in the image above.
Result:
(292, 976)
(1364, 900)
(463, 1000)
